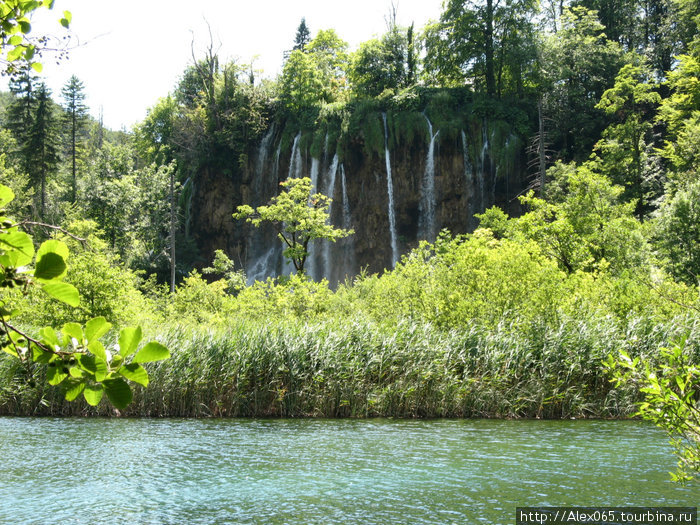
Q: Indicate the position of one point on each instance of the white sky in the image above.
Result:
(133, 52)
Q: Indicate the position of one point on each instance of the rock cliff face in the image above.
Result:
(393, 194)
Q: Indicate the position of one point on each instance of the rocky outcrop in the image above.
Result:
(439, 179)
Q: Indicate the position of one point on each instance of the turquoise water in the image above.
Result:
(144, 471)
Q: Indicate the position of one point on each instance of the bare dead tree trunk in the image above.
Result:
(172, 231)
(541, 145)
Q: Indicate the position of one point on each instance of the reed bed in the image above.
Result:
(358, 368)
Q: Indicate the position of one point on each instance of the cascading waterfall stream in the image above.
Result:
(468, 183)
(348, 242)
(427, 223)
(260, 174)
(295, 159)
(311, 260)
(493, 171)
(314, 175)
(327, 263)
(390, 191)
(261, 260)
(480, 174)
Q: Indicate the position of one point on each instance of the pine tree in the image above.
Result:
(20, 115)
(303, 36)
(42, 146)
(76, 120)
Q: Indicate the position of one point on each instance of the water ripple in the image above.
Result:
(108, 471)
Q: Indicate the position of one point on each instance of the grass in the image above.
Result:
(357, 368)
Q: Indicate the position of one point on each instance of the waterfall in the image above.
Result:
(274, 174)
(427, 226)
(295, 159)
(314, 175)
(263, 267)
(260, 258)
(468, 186)
(329, 191)
(347, 218)
(311, 262)
(493, 172)
(348, 242)
(390, 191)
(480, 174)
(258, 187)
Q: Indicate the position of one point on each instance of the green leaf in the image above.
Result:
(93, 365)
(56, 372)
(51, 260)
(135, 373)
(73, 330)
(153, 351)
(118, 392)
(66, 20)
(75, 388)
(13, 54)
(77, 373)
(21, 248)
(40, 356)
(37, 66)
(50, 266)
(53, 246)
(64, 292)
(96, 328)
(25, 26)
(16, 40)
(9, 349)
(98, 350)
(6, 195)
(93, 394)
(129, 339)
(48, 336)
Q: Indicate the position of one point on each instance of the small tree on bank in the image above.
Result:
(299, 217)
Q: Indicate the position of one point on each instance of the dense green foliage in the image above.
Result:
(514, 319)
(75, 359)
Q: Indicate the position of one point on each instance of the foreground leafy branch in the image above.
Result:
(671, 400)
(76, 359)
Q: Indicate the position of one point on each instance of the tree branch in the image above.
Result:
(52, 227)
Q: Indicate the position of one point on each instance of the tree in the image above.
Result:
(42, 145)
(577, 64)
(583, 224)
(34, 124)
(20, 116)
(678, 232)
(302, 83)
(329, 52)
(381, 64)
(622, 150)
(76, 120)
(488, 44)
(299, 216)
(75, 358)
(617, 16)
(680, 112)
(302, 37)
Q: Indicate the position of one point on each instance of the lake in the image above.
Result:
(143, 471)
